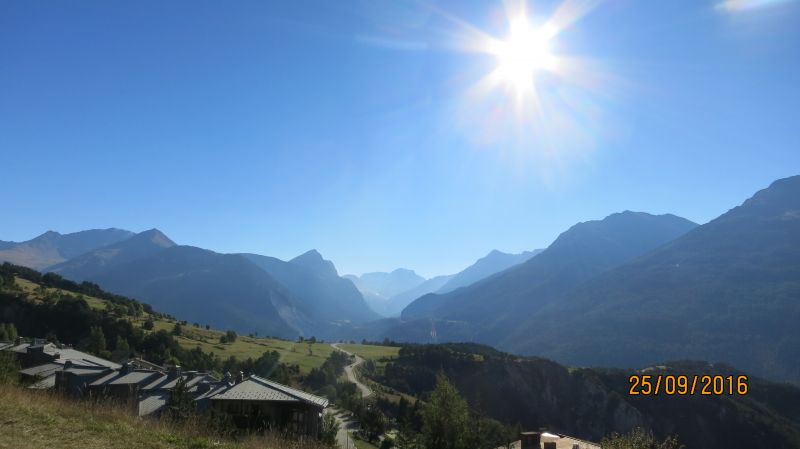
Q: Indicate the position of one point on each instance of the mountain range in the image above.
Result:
(728, 290)
(390, 293)
(89, 265)
(492, 263)
(496, 303)
(51, 247)
(379, 288)
(327, 296)
(629, 290)
(246, 292)
(635, 289)
(224, 290)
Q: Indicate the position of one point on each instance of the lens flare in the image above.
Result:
(521, 55)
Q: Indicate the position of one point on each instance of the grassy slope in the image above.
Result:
(291, 352)
(32, 291)
(370, 352)
(35, 420)
(208, 340)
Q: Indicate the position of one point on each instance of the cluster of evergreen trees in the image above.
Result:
(447, 422)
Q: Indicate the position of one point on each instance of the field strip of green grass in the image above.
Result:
(371, 352)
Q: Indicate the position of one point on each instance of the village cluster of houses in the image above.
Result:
(250, 401)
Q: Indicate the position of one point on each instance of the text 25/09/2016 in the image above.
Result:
(687, 385)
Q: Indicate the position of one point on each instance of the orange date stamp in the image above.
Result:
(680, 385)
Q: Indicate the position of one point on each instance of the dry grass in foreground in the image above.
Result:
(30, 419)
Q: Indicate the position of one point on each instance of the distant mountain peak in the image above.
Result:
(621, 221)
(404, 271)
(155, 236)
(629, 214)
(387, 284)
(49, 235)
(313, 260)
(486, 266)
(311, 254)
(53, 247)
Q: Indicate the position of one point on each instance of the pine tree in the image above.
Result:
(96, 342)
(122, 350)
(445, 418)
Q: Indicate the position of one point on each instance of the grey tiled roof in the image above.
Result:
(157, 382)
(201, 377)
(308, 397)
(215, 390)
(133, 377)
(152, 403)
(22, 347)
(78, 356)
(41, 370)
(64, 354)
(83, 371)
(254, 391)
(163, 382)
(105, 379)
(255, 388)
(171, 383)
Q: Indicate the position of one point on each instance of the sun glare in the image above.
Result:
(534, 99)
(525, 52)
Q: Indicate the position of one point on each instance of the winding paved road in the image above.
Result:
(349, 370)
(346, 423)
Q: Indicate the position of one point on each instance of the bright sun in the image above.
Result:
(525, 52)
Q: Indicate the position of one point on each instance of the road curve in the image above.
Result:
(349, 370)
(346, 424)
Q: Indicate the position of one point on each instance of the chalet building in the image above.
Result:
(258, 403)
(40, 351)
(74, 378)
(252, 402)
(153, 396)
(124, 384)
(148, 390)
(43, 363)
(546, 440)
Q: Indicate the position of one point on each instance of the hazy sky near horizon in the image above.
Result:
(363, 128)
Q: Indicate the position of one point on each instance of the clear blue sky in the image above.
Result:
(355, 127)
